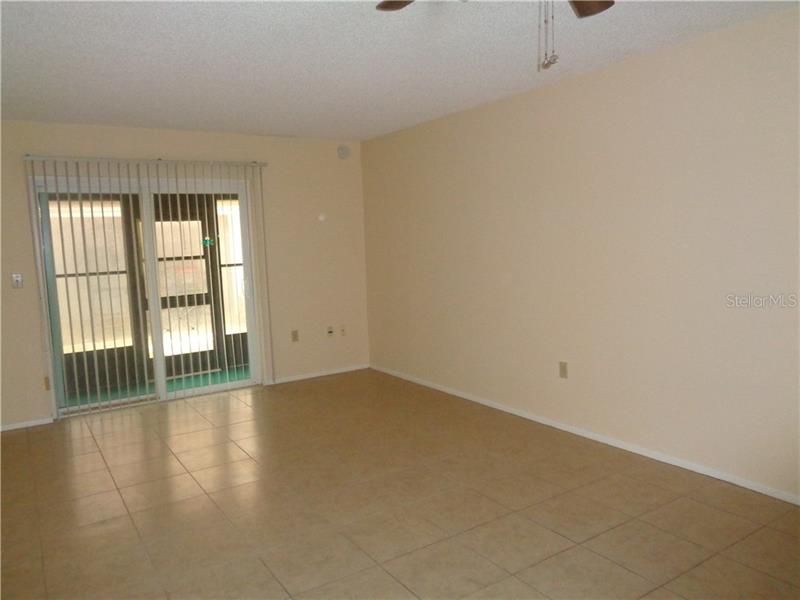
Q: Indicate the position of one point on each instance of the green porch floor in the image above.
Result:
(142, 391)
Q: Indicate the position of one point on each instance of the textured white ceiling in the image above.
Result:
(325, 69)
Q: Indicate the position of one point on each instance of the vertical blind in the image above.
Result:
(147, 273)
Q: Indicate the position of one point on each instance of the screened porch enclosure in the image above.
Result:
(147, 278)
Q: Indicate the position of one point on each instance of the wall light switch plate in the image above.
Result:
(17, 281)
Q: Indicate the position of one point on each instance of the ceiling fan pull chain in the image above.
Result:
(543, 4)
(548, 32)
(548, 16)
(539, 45)
(553, 25)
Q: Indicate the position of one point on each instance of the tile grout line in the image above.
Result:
(751, 534)
(133, 523)
(623, 472)
(38, 524)
(686, 539)
(258, 556)
(410, 591)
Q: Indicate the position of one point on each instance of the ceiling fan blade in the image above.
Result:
(587, 8)
(392, 5)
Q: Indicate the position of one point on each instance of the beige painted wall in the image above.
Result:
(603, 221)
(316, 268)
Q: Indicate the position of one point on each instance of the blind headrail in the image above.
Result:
(34, 157)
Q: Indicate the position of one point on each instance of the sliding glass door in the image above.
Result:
(202, 301)
(92, 279)
(147, 277)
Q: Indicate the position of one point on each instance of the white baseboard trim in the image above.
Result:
(291, 378)
(655, 455)
(23, 424)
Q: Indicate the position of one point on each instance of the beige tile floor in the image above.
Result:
(365, 486)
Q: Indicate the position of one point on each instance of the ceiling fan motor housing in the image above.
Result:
(587, 8)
